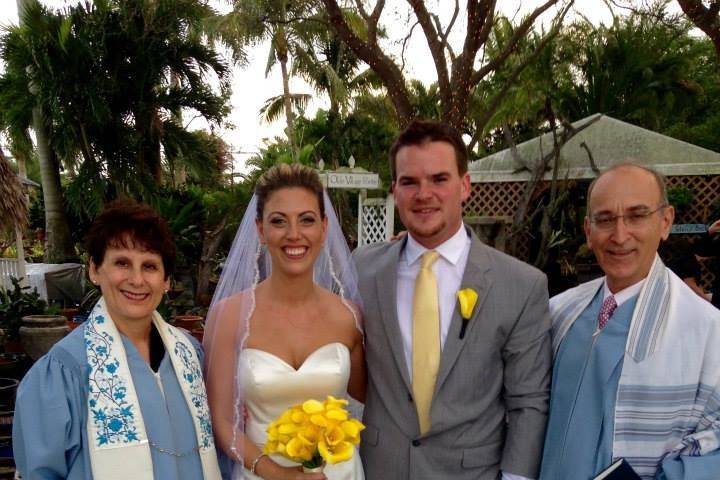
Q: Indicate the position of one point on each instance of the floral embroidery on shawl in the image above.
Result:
(112, 415)
(193, 376)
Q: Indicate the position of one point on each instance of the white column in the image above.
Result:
(20, 256)
(361, 200)
(389, 216)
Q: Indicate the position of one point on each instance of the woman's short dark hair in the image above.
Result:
(286, 175)
(423, 131)
(125, 223)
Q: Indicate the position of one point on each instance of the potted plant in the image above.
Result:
(188, 322)
(15, 304)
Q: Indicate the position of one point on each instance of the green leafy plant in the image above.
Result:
(36, 251)
(16, 303)
(680, 197)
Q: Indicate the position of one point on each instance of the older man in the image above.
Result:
(637, 357)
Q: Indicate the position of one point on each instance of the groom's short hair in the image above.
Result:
(423, 131)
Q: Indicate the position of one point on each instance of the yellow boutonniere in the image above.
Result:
(467, 298)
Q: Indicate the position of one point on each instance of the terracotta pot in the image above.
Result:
(188, 322)
(69, 314)
(39, 333)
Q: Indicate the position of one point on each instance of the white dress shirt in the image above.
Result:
(625, 294)
(448, 270)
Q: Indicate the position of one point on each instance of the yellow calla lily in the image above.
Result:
(337, 414)
(334, 435)
(310, 434)
(335, 454)
(296, 448)
(298, 416)
(333, 402)
(285, 417)
(319, 420)
(288, 429)
(312, 407)
(352, 429)
(468, 298)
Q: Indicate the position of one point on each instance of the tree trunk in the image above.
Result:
(58, 243)
(335, 131)
(290, 131)
(455, 88)
(369, 51)
(211, 244)
(146, 125)
(705, 18)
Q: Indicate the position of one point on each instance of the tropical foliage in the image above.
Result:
(95, 99)
(112, 78)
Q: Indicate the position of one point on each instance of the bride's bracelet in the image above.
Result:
(253, 466)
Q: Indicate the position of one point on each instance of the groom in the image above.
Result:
(450, 395)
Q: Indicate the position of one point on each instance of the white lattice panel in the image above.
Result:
(376, 219)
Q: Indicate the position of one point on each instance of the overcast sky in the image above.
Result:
(251, 88)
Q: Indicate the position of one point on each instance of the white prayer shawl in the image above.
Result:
(668, 398)
(118, 443)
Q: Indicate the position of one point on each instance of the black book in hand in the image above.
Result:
(620, 470)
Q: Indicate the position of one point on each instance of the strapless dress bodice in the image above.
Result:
(271, 386)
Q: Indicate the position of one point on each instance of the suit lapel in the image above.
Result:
(475, 277)
(386, 284)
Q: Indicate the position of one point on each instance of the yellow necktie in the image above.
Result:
(426, 339)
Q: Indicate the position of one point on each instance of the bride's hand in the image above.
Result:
(272, 471)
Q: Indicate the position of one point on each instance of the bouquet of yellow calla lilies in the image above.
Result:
(315, 432)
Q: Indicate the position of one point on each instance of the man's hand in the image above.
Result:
(402, 233)
(714, 227)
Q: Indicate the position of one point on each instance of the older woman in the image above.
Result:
(122, 397)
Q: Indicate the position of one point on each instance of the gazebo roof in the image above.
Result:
(610, 141)
(13, 207)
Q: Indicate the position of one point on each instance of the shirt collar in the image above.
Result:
(451, 249)
(625, 294)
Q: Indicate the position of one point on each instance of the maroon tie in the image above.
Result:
(606, 311)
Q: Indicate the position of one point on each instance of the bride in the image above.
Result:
(284, 325)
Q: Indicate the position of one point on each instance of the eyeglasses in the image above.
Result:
(634, 219)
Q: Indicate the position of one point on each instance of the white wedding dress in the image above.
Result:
(271, 386)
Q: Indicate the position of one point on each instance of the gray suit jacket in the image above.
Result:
(490, 403)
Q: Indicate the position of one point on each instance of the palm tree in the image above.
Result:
(281, 22)
(112, 76)
(59, 246)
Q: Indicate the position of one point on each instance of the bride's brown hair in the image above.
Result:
(286, 176)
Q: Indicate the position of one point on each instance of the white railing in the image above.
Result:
(9, 268)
